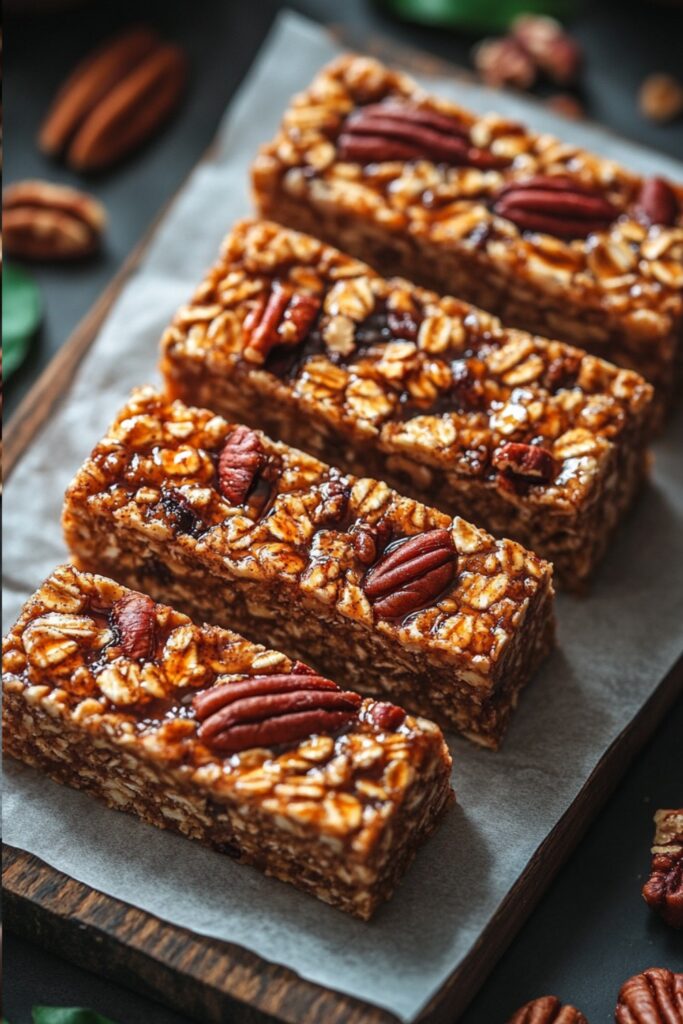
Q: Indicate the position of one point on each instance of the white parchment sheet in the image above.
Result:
(613, 649)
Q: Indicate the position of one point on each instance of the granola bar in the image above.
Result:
(550, 238)
(531, 439)
(198, 730)
(373, 588)
(663, 890)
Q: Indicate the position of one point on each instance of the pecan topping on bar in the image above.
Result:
(554, 205)
(547, 1010)
(530, 462)
(370, 541)
(135, 621)
(653, 997)
(657, 202)
(262, 711)
(387, 716)
(335, 503)
(400, 131)
(239, 463)
(411, 575)
(282, 318)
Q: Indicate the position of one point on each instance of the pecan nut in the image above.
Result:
(239, 463)
(653, 997)
(44, 221)
(504, 62)
(554, 205)
(657, 202)
(553, 50)
(114, 100)
(547, 1010)
(529, 462)
(663, 891)
(263, 711)
(660, 97)
(411, 575)
(369, 542)
(134, 619)
(402, 131)
(333, 508)
(280, 318)
(387, 716)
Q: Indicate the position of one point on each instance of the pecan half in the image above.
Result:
(553, 50)
(114, 100)
(387, 716)
(133, 616)
(555, 205)
(504, 62)
(653, 997)
(547, 1010)
(663, 891)
(267, 710)
(370, 541)
(241, 459)
(393, 130)
(530, 462)
(411, 575)
(657, 202)
(280, 318)
(43, 221)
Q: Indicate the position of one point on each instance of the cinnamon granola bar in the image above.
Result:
(547, 236)
(531, 439)
(663, 890)
(392, 597)
(197, 730)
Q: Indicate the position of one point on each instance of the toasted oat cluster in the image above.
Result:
(237, 528)
(663, 890)
(531, 438)
(548, 236)
(199, 730)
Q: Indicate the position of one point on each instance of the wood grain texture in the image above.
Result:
(212, 981)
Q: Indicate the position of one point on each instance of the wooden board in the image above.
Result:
(213, 981)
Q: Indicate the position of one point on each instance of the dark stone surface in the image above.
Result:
(591, 930)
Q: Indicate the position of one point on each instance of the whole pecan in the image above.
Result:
(395, 130)
(44, 221)
(657, 202)
(530, 462)
(268, 710)
(133, 616)
(279, 318)
(653, 997)
(115, 100)
(239, 463)
(555, 205)
(547, 1010)
(411, 575)
(663, 891)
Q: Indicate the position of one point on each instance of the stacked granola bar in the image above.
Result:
(547, 236)
(531, 439)
(197, 730)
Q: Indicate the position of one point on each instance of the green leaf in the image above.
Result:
(67, 1015)
(477, 15)
(21, 314)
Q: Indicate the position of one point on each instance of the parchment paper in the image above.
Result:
(613, 650)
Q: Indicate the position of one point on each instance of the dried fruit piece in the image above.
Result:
(547, 1010)
(550, 46)
(242, 458)
(653, 997)
(268, 710)
(663, 891)
(90, 82)
(181, 513)
(661, 97)
(411, 574)
(657, 202)
(504, 61)
(401, 131)
(555, 205)
(44, 221)
(134, 618)
(530, 462)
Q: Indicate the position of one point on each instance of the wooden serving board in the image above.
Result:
(214, 981)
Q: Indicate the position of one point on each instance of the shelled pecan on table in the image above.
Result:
(48, 222)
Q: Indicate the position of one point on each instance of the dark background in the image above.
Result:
(591, 930)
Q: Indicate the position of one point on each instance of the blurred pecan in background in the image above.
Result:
(556, 54)
(661, 97)
(43, 221)
(653, 997)
(114, 100)
(547, 1010)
